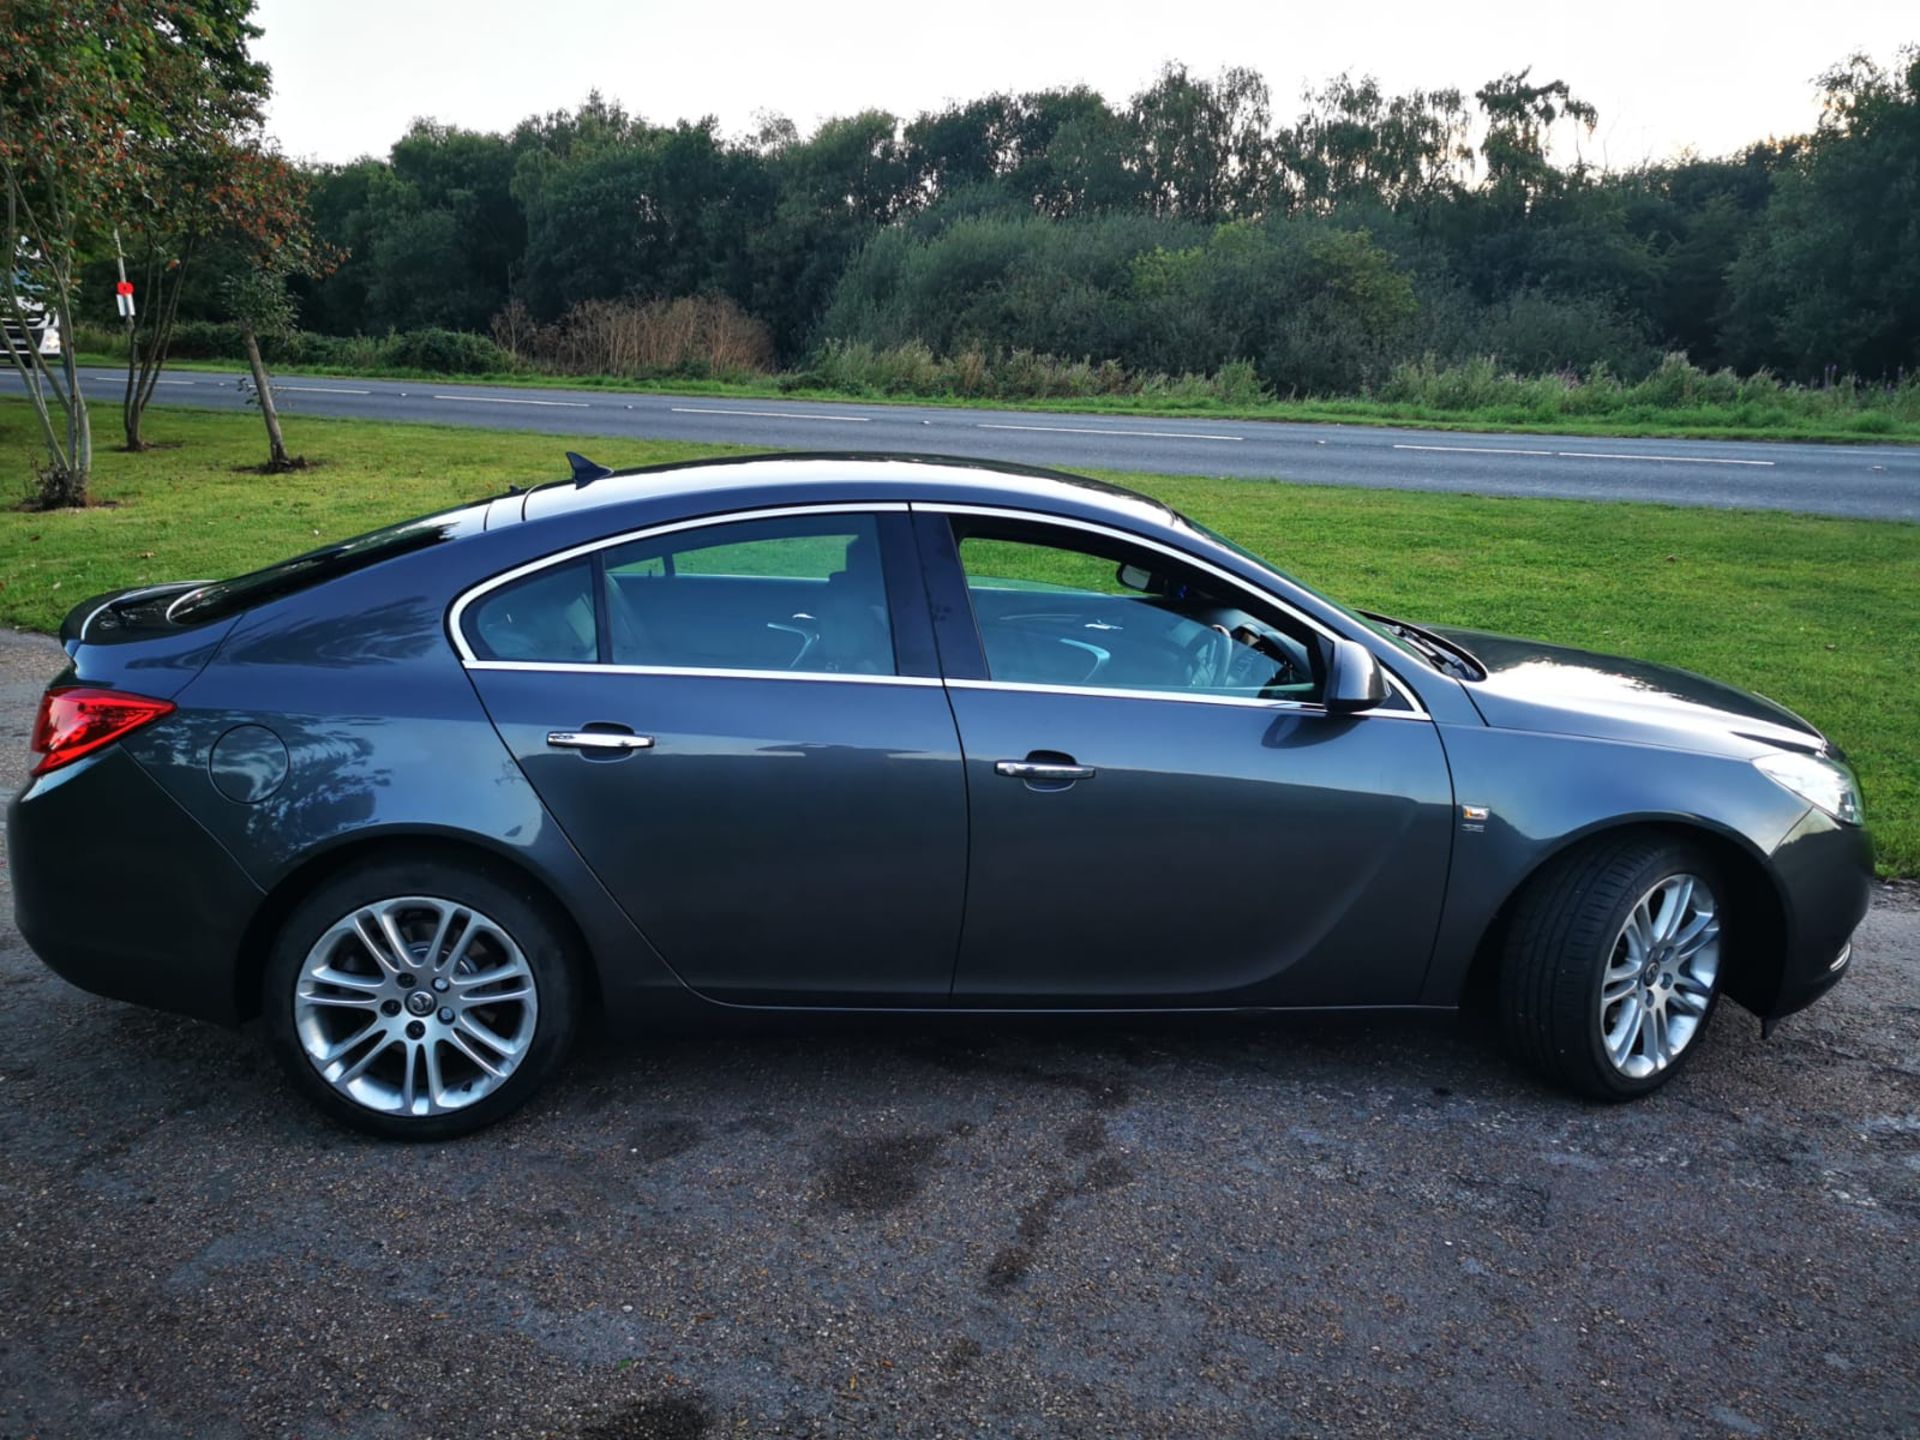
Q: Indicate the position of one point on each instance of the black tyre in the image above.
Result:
(420, 999)
(1612, 964)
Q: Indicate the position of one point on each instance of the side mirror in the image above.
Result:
(1354, 679)
(1135, 577)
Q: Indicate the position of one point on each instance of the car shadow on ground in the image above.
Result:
(166, 1067)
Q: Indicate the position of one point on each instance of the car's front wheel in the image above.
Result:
(1612, 965)
(419, 999)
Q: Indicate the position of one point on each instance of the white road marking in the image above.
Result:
(770, 414)
(174, 382)
(1663, 459)
(1589, 455)
(1473, 449)
(1109, 430)
(319, 389)
(503, 400)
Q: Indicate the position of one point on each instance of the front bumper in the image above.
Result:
(1825, 874)
(123, 893)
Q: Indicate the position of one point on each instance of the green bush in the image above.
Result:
(1318, 307)
(445, 352)
(206, 340)
(1675, 392)
(860, 368)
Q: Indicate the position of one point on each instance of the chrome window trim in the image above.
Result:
(587, 667)
(1417, 711)
(560, 557)
(1182, 697)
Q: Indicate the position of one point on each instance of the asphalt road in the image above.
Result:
(1372, 1229)
(1876, 482)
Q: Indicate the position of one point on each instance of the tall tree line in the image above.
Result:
(1192, 225)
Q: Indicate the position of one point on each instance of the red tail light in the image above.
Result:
(78, 719)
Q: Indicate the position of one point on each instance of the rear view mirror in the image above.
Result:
(1135, 577)
(1355, 681)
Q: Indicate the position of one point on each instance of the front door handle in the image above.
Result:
(598, 740)
(1043, 770)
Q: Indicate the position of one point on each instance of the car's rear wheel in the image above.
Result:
(419, 1000)
(1612, 965)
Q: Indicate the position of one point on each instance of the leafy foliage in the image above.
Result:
(1191, 227)
(106, 106)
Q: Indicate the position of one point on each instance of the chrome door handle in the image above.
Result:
(1041, 770)
(597, 740)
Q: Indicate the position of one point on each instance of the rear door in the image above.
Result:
(740, 725)
(1162, 813)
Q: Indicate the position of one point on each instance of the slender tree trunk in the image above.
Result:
(79, 468)
(263, 391)
(64, 481)
(164, 284)
(130, 408)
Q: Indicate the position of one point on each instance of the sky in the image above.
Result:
(350, 75)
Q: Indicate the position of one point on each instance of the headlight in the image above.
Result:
(1818, 781)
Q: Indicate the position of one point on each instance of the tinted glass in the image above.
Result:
(548, 616)
(230, 597)
(1354, 615)
(797, 592)
(1061, 608)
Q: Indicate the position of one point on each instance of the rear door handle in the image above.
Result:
(598, 740)
(1042, 770)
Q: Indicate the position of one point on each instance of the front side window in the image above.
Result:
(1070, 608)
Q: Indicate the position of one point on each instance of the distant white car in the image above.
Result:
(42, 335)
(42, 330)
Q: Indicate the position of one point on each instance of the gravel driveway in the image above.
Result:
(1220, 1230)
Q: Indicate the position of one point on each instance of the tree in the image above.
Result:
(195, 201)
(1355, 143)
(829, 193)
(1829, 279)
(1521, 117)
(1203, 145)
(1080, 156)
(970, 144)
(662, 213)
(93, 94)
(272, 232)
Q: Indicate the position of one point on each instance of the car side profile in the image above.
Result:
(868, 733)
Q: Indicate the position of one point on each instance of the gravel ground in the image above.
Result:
(1221, 1230)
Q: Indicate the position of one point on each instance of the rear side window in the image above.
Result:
(789, 592)
(545, 617)
(799, 593)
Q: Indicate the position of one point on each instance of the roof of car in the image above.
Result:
(854, 474)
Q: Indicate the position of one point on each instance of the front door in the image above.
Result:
(1161, 812)
(739, 726)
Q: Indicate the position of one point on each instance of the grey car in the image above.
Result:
(889, 734)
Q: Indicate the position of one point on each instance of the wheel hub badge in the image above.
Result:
(420, 1002)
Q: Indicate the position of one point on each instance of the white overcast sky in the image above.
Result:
(349, 75)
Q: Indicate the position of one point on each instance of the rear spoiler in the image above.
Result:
(103, 614)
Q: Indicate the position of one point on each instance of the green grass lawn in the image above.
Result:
(1702, 422)
(1820, 614)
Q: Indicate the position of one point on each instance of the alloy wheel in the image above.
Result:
(1660, 976)
(415, 1006)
